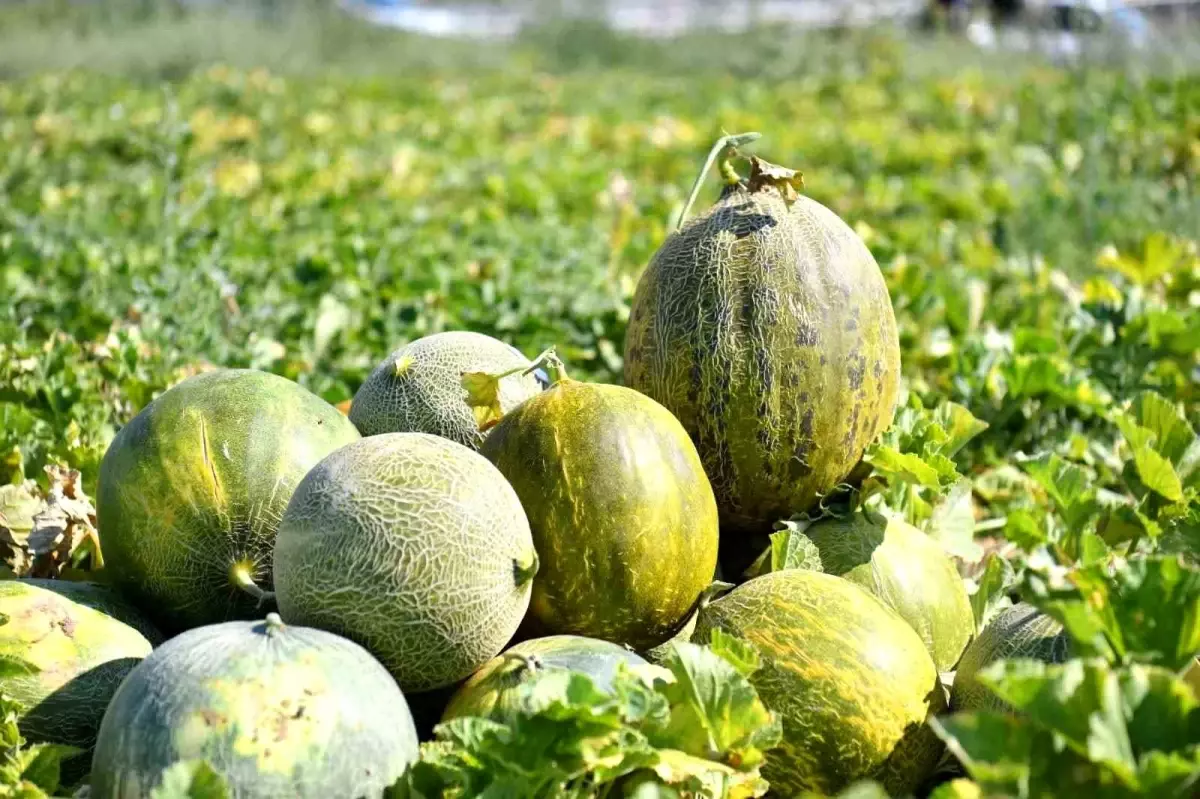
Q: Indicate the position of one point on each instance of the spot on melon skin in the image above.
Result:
(409, 544)
(417, 388)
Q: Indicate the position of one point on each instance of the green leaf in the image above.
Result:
(1157, 474)
(1170, 774)
(738, 652)
(957, 789)
(1162, 711)
(953, 523)
(715, 711)
(191, 779)
(993, 747)
(12, 667)
(43, 764)
(1172, 433)
(960, 425)
(907, 467)
(990, 596)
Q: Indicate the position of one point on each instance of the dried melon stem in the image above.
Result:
(240, 575)
(763, 174)
(723, 151)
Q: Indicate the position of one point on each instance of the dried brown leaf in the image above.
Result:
(787, 181)
(41, 533)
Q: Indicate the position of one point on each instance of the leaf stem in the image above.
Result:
(239, 575)
(724, 150)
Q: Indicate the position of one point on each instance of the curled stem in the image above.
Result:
(724, 150)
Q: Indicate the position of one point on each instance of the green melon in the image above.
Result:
(275, 710)
(191, 491)
(83, 638)
(418, 387)
(623, 517)
(908, 571)
(852, 682)
(415, 547)
(766, 327)
(494, 685)
(1021, 631)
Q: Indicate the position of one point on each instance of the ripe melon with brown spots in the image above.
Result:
(192, 489)
(765, 326)
(275, 710)
(412, 545)
(417, 388)
(83, 638)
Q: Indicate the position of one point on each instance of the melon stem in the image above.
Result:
(525, 569)
(723, 152)
(239, 574)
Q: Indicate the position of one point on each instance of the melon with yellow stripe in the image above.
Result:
(191, 492)
(623, 517)
(852, 682)
(275, 710)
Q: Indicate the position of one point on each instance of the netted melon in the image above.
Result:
(851, 681)
(83, 638)
(412, 545)
(275, 710)
(1021, 631)
(766, 327)
(908, 571)
(418, 387)
(623, 517)
(191, 491)
(494, 685)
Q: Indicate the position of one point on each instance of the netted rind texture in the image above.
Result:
(198, 481)
(82, 651)
(622, 514)
(908, 571)
(413, 546)
(852, 683)
(418, 388)
(769, 332)
(1021, 631)
(276, 711)
(495, 684)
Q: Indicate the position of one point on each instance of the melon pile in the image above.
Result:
(478, 516)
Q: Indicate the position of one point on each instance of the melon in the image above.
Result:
(623, 517)
(83, 638)
(275, 710)
(908, 571)
(852, 683)
(1020, 631)
(192, 489)
(418, 389)
(765, 326)
(494, 685)
(412, 545)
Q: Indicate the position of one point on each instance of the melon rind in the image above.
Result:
(412, 545)
(418, 387)
(275, 710)
(196, 484)
(1020, 631)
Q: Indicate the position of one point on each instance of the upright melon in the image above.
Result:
(908, 571)
(192, 489)
(274, 710)
(1021, 631)
(418, 387)
(415, 547)
(766, 327)
(494, 685)
(622, 515)
(83, 638)
(852, 682)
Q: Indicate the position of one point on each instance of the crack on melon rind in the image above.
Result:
(677, 311)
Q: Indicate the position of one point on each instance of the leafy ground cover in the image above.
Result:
(1038, 229)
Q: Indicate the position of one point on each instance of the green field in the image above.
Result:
(1038, 228)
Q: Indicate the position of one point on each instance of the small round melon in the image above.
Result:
(623, 516)
(415, 547)
(418, 388)
(84, 638)
(275, 710)
(852, 682)
(495, 684)
(1021, 631)
(190, 491)
(908, 571)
